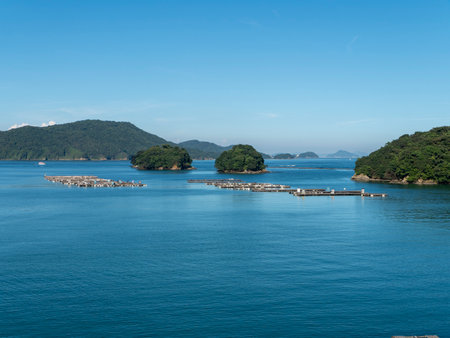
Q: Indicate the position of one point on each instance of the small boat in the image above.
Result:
(41, 163)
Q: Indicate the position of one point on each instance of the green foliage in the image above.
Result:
(203, 150)
(308, 154)
(240, 158)
(423, 155)
(88, 139)
(163, 157)
(284, 156)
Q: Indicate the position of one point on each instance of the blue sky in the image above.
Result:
(281, 75)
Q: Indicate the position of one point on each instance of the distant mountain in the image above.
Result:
(308, 154)
(201, 150)
(88, 139)
(343, 154)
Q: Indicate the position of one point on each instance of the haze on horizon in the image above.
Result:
(283, 76)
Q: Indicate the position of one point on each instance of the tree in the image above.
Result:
(165, 157)
(240, 158)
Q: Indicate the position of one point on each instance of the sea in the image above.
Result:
(179, 259)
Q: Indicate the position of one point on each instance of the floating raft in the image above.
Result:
(233, 184)
(92, 181)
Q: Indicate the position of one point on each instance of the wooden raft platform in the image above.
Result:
(269, 187)
(92, 182)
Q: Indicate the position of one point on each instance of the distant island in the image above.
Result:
(242, 159)
(165, 157)
(308, 154)
(420, 158)
(284, 156)
(287, 156)
(343, 154)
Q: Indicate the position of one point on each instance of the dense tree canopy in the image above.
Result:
(165, 157)
(423, 155)
(240, 158)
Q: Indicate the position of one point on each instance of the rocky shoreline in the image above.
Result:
(365, 178)
(245, 172)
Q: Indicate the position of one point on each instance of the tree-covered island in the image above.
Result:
(242, 159)
(164, 157)
(421, 158)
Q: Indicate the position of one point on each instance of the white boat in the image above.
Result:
(41, 163)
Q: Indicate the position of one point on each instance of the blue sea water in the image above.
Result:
(180, 259)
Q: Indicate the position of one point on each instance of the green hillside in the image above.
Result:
(308, 154)
(423, 156)
(165, 157)
(88, 139)
(242, 158)
(201, 150)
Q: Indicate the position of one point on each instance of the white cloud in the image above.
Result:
(351, 43)
(50, 123)
(15, 126)
(269, 115)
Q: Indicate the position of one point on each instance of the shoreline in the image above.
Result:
(365, 178)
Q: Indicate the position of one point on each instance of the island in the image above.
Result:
(287, 156)
(241, 159)
(308, 154)
(284, 156)
(420, 158)
(164, 157)
(342, 154)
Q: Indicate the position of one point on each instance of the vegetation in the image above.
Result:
(411, 158)
(88, 140)
(200, 150)
(284, 156)
(240, 159)
(165, 157)
(287, 156)
(308, 154)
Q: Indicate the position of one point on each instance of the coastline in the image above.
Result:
(244, 172)
(404, 181)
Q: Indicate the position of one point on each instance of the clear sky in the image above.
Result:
(284, 76)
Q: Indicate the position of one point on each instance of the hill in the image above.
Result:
(242, 158)
(201, 150)
(308, 154)
(287, 156)
(88, 139)
(165, 157)
(423, 157)
(284, 156)
(342, 154)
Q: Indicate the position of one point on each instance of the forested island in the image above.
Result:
(243, 159)
(421, 158)
(287, 156)
(165, 157)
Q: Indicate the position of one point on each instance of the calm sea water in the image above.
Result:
(179, 259)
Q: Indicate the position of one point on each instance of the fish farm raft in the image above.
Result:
(92, 182)
(234, 184)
